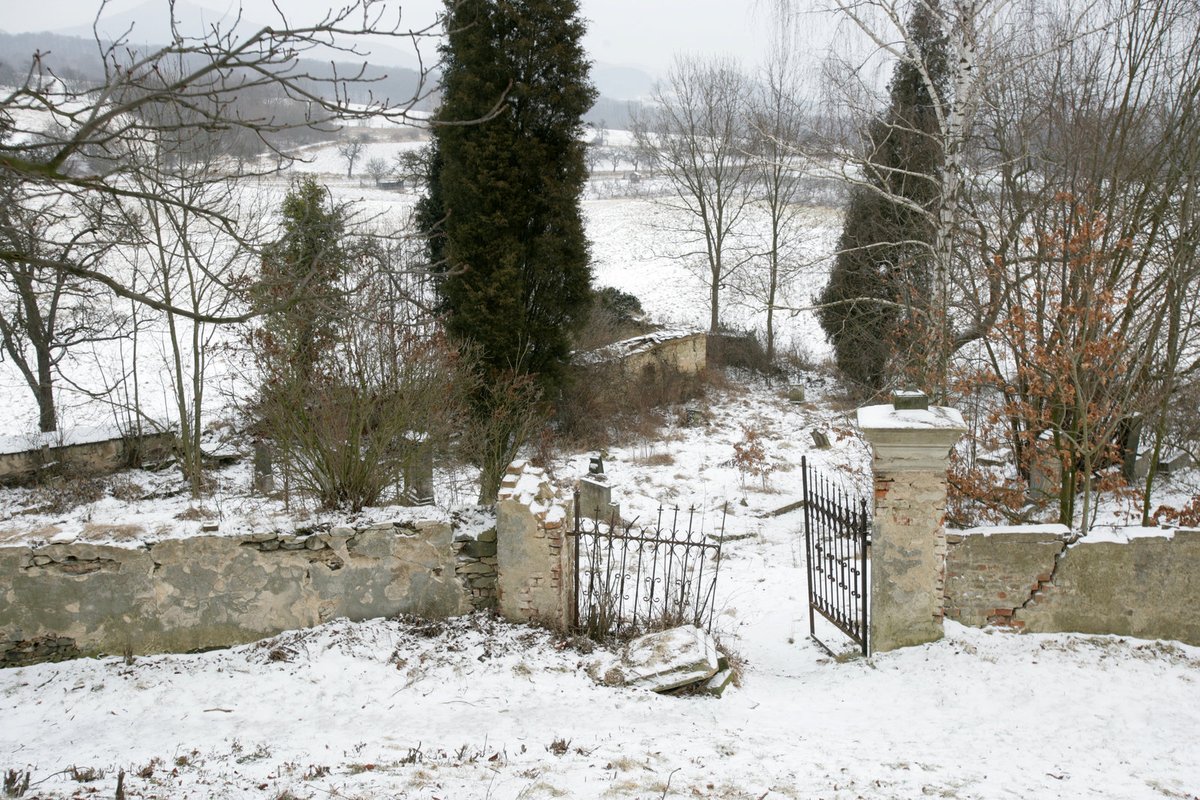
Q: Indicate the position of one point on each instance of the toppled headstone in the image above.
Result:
(717, 684)
(667, 660)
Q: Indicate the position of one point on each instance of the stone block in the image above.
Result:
(595, 496)
(717, 684)
(669, 659)
(477, 549)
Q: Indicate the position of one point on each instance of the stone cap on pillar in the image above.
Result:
(911, 437)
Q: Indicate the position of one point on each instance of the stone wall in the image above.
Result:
(97, 457)
(211, 591)
(660, 367)
(475, 564)
(1145, 585)
(684, 353)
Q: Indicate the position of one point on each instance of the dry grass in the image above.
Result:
(117, 533)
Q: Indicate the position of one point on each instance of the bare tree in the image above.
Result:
(1108, 121)
(777, 128)
(186, 262)
(350, 150)
(696, 134)
(378, 168)
(46, 311)
(193, 85)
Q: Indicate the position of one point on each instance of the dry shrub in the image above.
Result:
(656, 459)
(1187, 517)
(353, 430)
(750, 457)
(602, 406)
(739, 350)
(61, 494)
(508, 413)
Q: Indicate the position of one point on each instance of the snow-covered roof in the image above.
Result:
(637, 344)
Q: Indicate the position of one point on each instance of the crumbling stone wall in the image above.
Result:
(660, 367)
(1033, 579)
(475, 564)
(532, 548)
(990, 577)
(213, 591)
(100, 457)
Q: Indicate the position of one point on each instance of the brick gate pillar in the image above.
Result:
(533, 551)
(912, 443)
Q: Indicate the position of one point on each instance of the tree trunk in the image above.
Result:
(47, 418)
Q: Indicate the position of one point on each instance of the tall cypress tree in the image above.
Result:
(516, 274)
(880, 278)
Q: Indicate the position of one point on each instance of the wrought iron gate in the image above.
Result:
(836, 542)
(629, 579)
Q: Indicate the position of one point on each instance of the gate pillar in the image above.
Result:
(533, 577)
(912, 443)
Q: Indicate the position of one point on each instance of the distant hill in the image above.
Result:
(77, 58)
(71, 57)
(150, 24)
(619, 82)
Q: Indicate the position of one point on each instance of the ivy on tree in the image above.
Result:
(297, 288)
(880, 281)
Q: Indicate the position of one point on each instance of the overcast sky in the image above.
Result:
(642, 33)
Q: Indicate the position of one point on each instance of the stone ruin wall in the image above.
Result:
(65, 600)
(1032, 579)
(90, 458)
(60, 600)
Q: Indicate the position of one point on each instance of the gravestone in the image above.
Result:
(418, 470)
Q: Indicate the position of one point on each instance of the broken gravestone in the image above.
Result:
(667, 660)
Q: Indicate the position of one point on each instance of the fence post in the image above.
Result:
(912, 443)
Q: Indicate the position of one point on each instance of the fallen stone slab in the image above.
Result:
(717, 684)
(669, 659)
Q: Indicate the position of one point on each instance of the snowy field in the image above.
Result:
(633, 241)
(479, 709)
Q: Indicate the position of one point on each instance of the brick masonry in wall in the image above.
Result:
(1038, 579)
(531, 524)
(991, 578)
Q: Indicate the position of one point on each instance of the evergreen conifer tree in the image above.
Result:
(296, 292)
(880, 278)
(515, 263)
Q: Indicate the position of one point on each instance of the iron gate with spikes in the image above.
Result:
(837, 541)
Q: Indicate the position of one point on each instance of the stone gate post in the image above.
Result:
(912, 443)
(533, 551)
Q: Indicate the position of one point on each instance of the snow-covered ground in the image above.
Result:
(479, 709)
(632, 246)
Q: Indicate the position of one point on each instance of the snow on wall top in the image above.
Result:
(83, 434)
(886, 417)
(637, 344)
